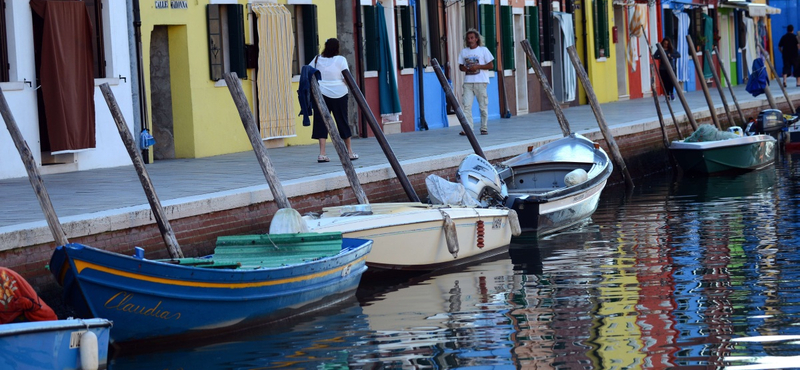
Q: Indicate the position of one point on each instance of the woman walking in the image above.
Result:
(334, 91)
(672, 55)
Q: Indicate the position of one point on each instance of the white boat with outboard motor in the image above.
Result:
(556, 185)
(466, 222)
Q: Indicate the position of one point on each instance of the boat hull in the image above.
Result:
(148, 299)
(545, 203)
(733, 155)
(50, 344)
(411, 237)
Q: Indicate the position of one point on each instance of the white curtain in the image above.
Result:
(750, 49)
(276, 114)
(683, 47)
(454, 14)
(567, 40)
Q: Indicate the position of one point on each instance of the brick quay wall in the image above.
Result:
(198, 221)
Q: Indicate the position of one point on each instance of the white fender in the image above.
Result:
(88, 351)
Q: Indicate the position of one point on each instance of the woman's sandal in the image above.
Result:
(323, 159)
(353, 157)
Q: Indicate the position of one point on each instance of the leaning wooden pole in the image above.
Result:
(698, 67)
(249, 122)
(451, 98)
(661, 82)
(33, 173)
(678, 89)
(664, 134)
(598, 113)
(730, 88)
(167, 234)
(376, 129)
(548, 90)
(338, 143)
(718, 83)
(772, 68)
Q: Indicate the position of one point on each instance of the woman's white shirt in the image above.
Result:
(332, 84)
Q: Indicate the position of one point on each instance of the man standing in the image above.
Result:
(788, 48)
(473, 60)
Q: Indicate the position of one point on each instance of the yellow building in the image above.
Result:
(187, 47)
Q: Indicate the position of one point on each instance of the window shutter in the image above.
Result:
(532, 30)
(311, 37)
(507, 20)
(370, 38)
(488, 30)
(406, 57)
(214, 41)
(236, 40)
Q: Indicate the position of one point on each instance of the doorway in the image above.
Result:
(161, 94)
(619, 48)
(521, 74)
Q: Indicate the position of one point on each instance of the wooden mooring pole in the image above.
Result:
(678, 89)
(730, 88)
(538, 71)
(33, 173)
(451, 98)
(249, 122)
(338, 143)
(167, 234)
(718, 83)
(661, 82)
(598, 113)
(376, 129)
(772, 68)
(698, 67)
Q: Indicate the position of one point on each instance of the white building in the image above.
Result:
(47, 95)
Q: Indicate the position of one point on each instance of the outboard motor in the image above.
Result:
(481, 181)
(770, 122)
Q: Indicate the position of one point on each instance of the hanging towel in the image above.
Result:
(683, 47)
(637, 25)
(568, 39)
(750, 44)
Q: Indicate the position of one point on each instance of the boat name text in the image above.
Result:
(122, 301)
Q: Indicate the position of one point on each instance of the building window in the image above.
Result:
(306, 35)
(548, 38)
(471, 15)
(601, 42)
(226, 48)
(404, 22)
(4, 64)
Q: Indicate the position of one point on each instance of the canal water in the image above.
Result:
(680, 273)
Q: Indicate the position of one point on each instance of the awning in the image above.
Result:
(755, 10)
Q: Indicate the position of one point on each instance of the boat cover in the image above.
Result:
(17, 297)
(445, 192)
(707, 132)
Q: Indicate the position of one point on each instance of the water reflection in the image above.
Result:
(682, 273)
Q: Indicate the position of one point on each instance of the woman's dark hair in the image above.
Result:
(331, 48)
(667, 39)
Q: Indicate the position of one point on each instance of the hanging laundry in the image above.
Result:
(637, 25)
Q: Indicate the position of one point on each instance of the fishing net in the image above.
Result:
(707, 132)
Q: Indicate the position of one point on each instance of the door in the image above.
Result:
(161, 94)
(619, 48)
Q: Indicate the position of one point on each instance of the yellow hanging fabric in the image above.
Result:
(274, 77)
(637, 26)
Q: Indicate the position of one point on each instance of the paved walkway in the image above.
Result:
(88, 194)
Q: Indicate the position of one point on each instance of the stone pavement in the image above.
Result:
(113, 195)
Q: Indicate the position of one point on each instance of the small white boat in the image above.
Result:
(425, 237)
(57, 345)
(557, 185)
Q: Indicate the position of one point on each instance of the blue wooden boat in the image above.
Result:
(249, 280)
(53, 344)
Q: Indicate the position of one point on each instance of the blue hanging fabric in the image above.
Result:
(758, 79)
(146, 140)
